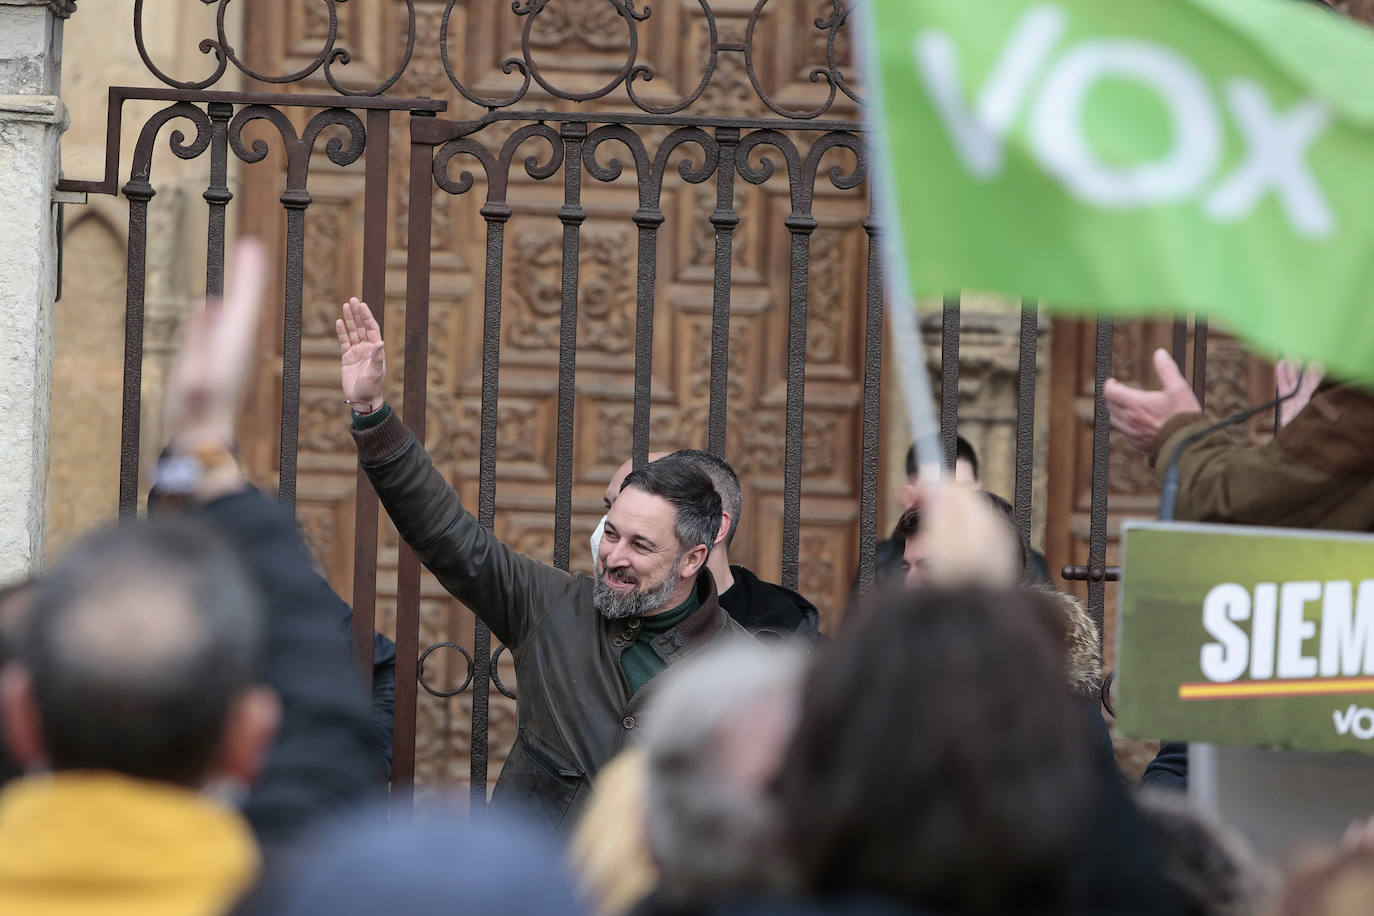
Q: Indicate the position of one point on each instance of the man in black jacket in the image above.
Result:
(766, 610)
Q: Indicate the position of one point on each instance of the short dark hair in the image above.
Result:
(962, 449)
(690, 491)
(975, 806)
(724, 479)
(909, 523)
(138, 641)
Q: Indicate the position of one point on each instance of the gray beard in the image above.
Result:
(614, 605)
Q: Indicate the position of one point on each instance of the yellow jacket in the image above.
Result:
(100, 844)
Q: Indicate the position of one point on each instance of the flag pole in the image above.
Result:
(901, 307)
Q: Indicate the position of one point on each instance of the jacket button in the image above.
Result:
(618, 642)
(628, 636)
(634, 623)
(628, 721)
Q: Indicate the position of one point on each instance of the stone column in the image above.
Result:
(32, 118)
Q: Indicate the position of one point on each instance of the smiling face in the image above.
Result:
(641, 568)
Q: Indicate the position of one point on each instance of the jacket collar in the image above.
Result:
(700, 628)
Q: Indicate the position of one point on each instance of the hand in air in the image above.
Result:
(1286, 379)
(1140, 414)
(211, 370)
(363, 363)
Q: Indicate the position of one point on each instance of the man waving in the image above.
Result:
(584, 647)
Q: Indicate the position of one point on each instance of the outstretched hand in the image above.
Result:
(211, 370)
(1299, 380)
(363, 364)
(1140, 414)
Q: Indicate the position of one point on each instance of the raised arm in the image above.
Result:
(501, 586)
(324, 757)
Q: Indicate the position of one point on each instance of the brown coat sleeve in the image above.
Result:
(1317, 463)
(503, 587)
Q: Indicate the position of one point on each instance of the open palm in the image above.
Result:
(363, 364)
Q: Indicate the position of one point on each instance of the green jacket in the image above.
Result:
(575, 709)
(1318, 472)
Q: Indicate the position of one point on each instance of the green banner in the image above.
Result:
(1206, 155)
(1247, 636)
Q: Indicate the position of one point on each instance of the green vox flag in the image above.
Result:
(1204, 155)
(1257, 637)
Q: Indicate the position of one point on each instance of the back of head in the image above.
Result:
(714, 738)
(1339, 883)
(1212, 868)
(939, 759)
(723, 478)
(690, 492)
(441, 863)
(138, 642)
(963, 451)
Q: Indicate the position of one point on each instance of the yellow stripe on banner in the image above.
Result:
(1246, 689)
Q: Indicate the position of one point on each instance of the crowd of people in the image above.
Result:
(187, 733)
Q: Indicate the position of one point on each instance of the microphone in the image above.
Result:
(1168, 497)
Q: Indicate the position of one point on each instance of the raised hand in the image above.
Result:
(363, 364)
(1286, 379)
(211, 370)
(1140, 414)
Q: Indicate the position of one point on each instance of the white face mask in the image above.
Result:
(599, 530)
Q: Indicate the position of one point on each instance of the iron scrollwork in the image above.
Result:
(633, 74)
(224, 54)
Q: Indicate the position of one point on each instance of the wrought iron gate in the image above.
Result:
(550, 134)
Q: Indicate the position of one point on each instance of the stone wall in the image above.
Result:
(83, 464)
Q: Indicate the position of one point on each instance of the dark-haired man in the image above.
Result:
(584, 647)
(766, 610)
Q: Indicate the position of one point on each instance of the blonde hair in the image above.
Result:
(609, 853)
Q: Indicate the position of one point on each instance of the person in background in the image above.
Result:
(887, 556)
(1212, 868)
(369, 862)
(609, 851)
(317, 704)
(961, 540)
(888, 564)
(722, 723)
(974, 806)
(1314, 473)
(1334, 883)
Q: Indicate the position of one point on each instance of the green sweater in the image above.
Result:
(639, 661)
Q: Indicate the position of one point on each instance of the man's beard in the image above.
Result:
(616, 605)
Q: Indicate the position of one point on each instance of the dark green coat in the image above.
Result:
(575, 709)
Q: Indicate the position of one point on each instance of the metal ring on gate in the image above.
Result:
(496, 672)
(1105, 692)
(420, 672)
